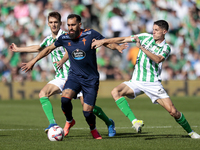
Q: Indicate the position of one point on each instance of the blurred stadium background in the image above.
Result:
(24, 22)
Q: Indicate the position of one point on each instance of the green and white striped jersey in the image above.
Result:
(145, 69)
(56, 55)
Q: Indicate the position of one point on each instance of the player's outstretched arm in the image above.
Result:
(28, 66)
(30, 49)
(114, 46)
(156, 58)
(98, 43)
(59, 64)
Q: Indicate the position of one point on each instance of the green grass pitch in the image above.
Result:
(22, 125)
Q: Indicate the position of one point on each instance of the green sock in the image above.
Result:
(48, 109)
(124, 107)
(99, 113)
(183, 122)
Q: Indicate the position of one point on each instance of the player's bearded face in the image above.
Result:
(73, 33)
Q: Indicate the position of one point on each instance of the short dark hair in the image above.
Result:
(162, 24)
(78, 18)
(55, 15)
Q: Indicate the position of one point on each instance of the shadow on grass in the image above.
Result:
(144, 135)
(154, 137)
(4, 135)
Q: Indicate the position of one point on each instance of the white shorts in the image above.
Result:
(60, 82)
(154, 90)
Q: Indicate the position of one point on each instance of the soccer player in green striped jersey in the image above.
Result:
(61, 66)
(146, 76)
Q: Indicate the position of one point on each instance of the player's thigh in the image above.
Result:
(87, 107)
(71, 88)
(48, 90)
(155, 91)
(131, 89)
(90, 95)
(68, 93)
(123, 90)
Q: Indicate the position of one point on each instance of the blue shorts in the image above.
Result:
(89, 88)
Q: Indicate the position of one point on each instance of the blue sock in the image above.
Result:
(67, 107)
(90, 118)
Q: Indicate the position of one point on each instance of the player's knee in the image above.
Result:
(87, 114)
(173, 113)
(65, 100)
(42, 94)
(115, 93)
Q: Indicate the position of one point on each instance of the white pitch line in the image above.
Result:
(148, 127)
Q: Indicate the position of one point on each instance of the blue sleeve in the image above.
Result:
(58, 42)
(97, 35)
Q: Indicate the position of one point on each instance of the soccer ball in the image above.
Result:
(55, 133)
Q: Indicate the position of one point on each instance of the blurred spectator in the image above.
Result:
(64, 13)
(197, 67)
(174, 63)
(21, 12)
(83, 11)
(116, 22)
(25, 22)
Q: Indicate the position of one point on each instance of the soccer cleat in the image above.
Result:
(68, 126)
(51, 125)
(96, 134)
(111, 129)
(138, 124)
(194, 135)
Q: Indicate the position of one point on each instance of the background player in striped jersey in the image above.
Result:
(61, 67)
(146, 76)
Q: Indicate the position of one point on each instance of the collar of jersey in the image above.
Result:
(160, 44)
(79, 34)
(59, 34)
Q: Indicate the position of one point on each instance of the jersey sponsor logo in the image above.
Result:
(147, 48)
(78, 54)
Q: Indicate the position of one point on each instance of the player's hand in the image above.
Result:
(96, 43)
(59, 64)
(138, 44)
(121, 47)
(13, 47)
(27, 66)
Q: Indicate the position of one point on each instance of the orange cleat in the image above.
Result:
(96, 134)
(68, 126)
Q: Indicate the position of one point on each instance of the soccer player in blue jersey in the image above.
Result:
(83, 74)
(61, 68)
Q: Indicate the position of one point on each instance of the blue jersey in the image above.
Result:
(82, 58)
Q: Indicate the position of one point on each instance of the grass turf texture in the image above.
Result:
(22, 125)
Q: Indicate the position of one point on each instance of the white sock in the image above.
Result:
(134, 121)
